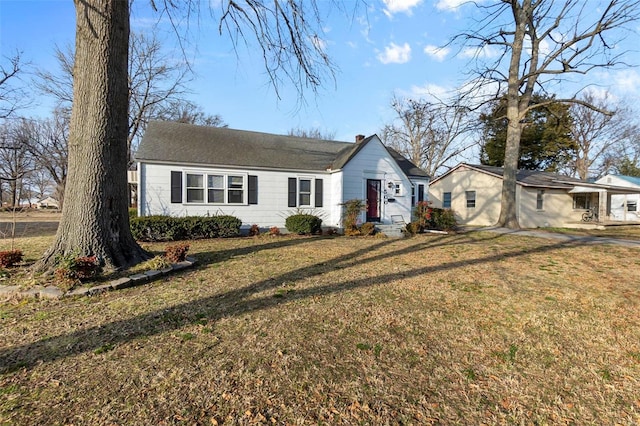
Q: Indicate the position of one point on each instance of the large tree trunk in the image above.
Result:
(95, 218)
(508, 209)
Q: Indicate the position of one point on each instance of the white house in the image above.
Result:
(543, 199)
(188, 170)
(48, 203)
(624, 207)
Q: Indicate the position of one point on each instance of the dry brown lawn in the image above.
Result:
(473, 328)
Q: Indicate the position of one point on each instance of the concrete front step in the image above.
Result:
(394, 231)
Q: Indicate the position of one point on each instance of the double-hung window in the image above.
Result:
(195, 188)
(304, 193)
(471, 199)
(214, 188)
(235, 190)
(446, 200)
(540, 200)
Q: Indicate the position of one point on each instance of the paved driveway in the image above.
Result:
(586, 239)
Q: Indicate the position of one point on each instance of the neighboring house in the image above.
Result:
(543, 199)
(48, 203)
(623, 206)
(187, 170)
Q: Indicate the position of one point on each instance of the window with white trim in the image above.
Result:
(235, 190)
(195, 188)
(304, 192)
(471, 199)
(216, 188)
(632, 205)
(219, 188)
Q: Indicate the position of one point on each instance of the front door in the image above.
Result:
(374, 199)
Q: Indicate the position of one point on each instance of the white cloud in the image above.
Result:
(626, 81)
(428, 92)
(450, 5)
(396, 6)
(437, 53)
(480, 52)
(394, 54)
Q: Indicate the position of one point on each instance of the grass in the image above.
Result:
(465, 329)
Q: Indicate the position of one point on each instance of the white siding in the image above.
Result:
(619, 202)
(374, 162)
(271, 210)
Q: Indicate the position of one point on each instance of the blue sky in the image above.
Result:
(387, 47)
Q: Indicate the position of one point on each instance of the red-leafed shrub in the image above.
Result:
(254, 231)
(10, 258)
(274, 231)
(72, 267)
(176, 252)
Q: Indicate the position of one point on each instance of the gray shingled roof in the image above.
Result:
(181, 143)
(534, 177)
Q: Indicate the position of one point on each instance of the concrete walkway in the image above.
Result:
(585, 239)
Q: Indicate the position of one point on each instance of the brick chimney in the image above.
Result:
(359, 138)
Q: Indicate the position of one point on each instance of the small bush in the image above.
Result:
(367, 229)
(133, 212)
(412, 228)
(274, 231)
(302, 224)
(442, 219)
(74, 267)
(352, 232)
(176, 253)
(350, 216)
(10, 258)
(254, 231)
(167, 228)
(422, 214)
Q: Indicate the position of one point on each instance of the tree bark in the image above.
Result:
(508, 211)
(95, 218)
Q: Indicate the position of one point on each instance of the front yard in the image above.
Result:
(471, 328)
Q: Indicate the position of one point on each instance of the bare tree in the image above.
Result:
(429, 134)
(15, 160)
(12, 94)
(156, 81)
(94, 219)
(48, 143)
(313, 133)
(58, 85)
(184, 111)
(599, 135)
(541, 41)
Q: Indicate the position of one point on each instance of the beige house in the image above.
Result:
(543, 199)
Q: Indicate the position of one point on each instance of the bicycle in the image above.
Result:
(591, 215)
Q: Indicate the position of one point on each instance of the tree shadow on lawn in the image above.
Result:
(239, 301)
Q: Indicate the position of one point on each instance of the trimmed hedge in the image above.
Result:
(303, 224)
(167, 228)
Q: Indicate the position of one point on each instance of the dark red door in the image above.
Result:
(374, 197)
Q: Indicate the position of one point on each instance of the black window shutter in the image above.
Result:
(293, 189)
(253, 189)
(420, 193)
(318, 192)
(176, 187)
